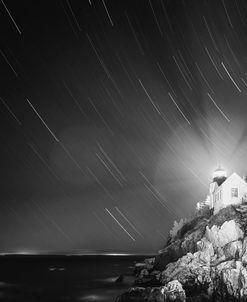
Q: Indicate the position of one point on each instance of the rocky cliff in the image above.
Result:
(205, 261)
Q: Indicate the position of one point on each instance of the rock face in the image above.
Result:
(173, 291)
(185, 242)
(207, 261)
(220, 236)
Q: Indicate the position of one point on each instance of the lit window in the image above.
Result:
(234, 192)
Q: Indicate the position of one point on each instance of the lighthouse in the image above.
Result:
(225, 191)
(219, 176)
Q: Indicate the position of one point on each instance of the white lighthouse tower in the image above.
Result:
(219, 176)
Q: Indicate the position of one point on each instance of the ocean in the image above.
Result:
(65, 278)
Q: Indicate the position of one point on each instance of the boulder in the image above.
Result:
(205, 245)
(139, 267)
(230, 281)
(228, 232)
(148, 280)
(224, 215)
(146, 264)
(173, 291)
(149, 261)
(169, 254)
(192, 271)
(137, 294)
(243, 253)
(232, 250)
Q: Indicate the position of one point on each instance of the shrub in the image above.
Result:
(176, 227)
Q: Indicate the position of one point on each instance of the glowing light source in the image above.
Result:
(219, 173)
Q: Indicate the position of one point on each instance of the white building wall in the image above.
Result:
(211, 201)
(234, 181)
(212, 188)
(218, 198)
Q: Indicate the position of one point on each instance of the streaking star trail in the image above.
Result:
(119, 224)
(114, 114)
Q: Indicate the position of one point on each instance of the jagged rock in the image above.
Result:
(208, 258)
(202, 297)
(228, 232)
(224, 215)
(137, 294)
(230, 281)
(192, 271)
(205, 246)
(243, 253)
(156, 274)
(219, 248)
(181, 247)
(147, 264)
(233, 249)
(173, 291)
(243, 282)
(169, 254)
(139, 267)
(147, 282)
(144, 273)
(230, 277)
(149, 261)
(145, 279)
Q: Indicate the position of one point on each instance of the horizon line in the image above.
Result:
(73, 254)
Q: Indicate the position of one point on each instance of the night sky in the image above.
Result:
(114, 114)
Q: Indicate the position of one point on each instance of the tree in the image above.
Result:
(176, 227)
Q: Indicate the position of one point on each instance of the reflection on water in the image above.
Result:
(108, 280)
(128, 280)
(5, 284)
(56, 269)
(54, 279)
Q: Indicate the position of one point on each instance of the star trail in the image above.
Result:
(113, 116)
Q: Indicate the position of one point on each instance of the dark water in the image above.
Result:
(61, 278)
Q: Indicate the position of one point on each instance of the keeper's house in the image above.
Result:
(225, 191)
